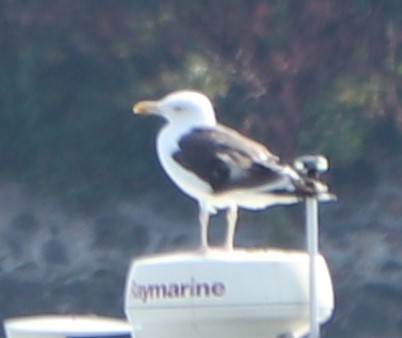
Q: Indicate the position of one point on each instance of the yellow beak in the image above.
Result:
(146, 107)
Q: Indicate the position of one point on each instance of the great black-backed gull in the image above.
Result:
(219, 167)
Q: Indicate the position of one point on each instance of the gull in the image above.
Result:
(219, 167)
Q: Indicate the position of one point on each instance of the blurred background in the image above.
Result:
(81, 190)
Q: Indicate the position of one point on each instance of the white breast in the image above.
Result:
(191, 184)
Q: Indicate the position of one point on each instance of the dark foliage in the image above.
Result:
(312, 76)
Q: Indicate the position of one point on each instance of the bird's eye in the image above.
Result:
(177, 108)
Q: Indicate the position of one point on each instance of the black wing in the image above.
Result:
(226, 159)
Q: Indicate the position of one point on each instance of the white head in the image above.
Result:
(187, 108)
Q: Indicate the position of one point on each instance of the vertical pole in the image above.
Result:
(312, 246)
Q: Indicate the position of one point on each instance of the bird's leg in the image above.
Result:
(231, 219)
(204, 220)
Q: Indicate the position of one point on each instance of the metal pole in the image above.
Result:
(312, 246)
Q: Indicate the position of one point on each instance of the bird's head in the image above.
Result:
(186, 107)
